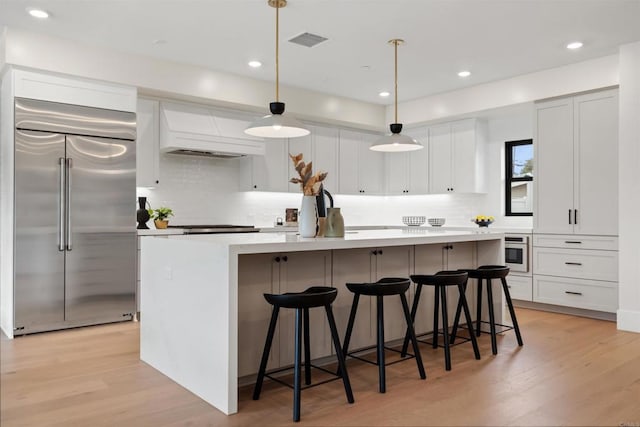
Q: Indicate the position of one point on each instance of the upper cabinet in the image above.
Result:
(457, 157)
(320, 147)
(361, 171)
(147, 145)
(408, 173)
(576, 145)
(268, 172)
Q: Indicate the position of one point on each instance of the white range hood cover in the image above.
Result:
(188, 129)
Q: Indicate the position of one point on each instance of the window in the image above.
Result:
(519, 178)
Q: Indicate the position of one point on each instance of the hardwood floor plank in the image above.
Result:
(571, 371)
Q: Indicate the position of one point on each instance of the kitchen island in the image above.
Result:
(203, 317)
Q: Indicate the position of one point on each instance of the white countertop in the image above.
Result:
(164, 232)
(246, 243)
(514, 230)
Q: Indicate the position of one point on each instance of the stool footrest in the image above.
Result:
(457, 337)
(303, 387)
(505, 328)
(408, 356)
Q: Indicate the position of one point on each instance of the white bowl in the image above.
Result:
(436, 222)
(413, 221)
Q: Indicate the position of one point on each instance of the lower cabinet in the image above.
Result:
(520, 287)
(278, 273)
(576, 271)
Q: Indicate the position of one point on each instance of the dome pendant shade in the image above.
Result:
(396, 143)
(277, 125)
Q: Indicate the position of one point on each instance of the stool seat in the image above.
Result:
(385, 286)
(315, 296)
(440, 281)
(487, 273)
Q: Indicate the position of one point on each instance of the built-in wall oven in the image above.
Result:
(516, 252)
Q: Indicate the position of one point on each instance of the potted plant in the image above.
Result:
(310, 185)
(161, 216)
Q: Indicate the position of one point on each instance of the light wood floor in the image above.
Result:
(571, 371)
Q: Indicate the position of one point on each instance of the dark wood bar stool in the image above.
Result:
(315, 296)
(487, 273)
(440, 281)
(380, 289)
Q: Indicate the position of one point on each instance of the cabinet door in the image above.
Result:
(257, 275)
(299, 271)
(429, 259)
(419, 163)
(353, 266)
(553, 141)
(349, 148)
(325, 155)
(370, 167)
(596, 163)
(397, 167)
(393, 262)
(269, 171)
(301, 145)
(147, 149)
(464, 157)
(440, 164)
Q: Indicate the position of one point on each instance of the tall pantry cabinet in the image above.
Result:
(576, 201)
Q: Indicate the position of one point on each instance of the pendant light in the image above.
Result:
(396, 142)
(277, 125)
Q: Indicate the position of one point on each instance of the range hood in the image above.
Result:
(194, 130)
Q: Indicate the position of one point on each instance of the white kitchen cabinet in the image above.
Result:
(520, 287)
(579, 293)
(366, 266)
(576, 144)
(320, 147)
(361, 171)
(147, 143)
(268, 172)
(279, 273)
(457, 157)
(429, 259)
(408, 173)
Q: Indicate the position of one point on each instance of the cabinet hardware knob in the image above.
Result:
(374, 252)
(573, 263)
(157, 181)
(572, 293)
(380, 252)
(575, 216)
(277, 259)
(255, 186)
(569, 216)
(285, 258)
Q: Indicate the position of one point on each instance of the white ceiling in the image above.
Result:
(494, 39)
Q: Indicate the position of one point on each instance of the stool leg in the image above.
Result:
(445, 329)
(456, 321)
(381, 372)
(414, 311)
(492, 319)
(512, 312)
(412, 334)
(342, 368)
(296, 366)
(479, 308)
(436, 302)
(347, 335)
(307, 349)
(265, 353)
(467, 315)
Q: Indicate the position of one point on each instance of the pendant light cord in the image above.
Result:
(277, 54)
(395, 44)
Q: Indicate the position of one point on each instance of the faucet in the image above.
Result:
(322, 211)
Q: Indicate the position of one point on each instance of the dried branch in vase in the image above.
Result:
(309, 183)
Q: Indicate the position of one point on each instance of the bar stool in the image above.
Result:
(315, 296)
(380, 289)
(440, 281)
(487, 273)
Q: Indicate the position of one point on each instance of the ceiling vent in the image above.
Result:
(308, 39)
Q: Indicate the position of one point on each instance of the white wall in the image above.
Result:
(629, 205)
(6, 205)
(587, 75)
(154, 76)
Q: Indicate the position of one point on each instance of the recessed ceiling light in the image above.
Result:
(384, 94)
(255, 64)
(464, 73)
(574, 45)
(38, 13)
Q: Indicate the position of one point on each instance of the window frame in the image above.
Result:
(509, 179)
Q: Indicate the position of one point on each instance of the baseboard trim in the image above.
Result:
(629, 320)
(601, 315)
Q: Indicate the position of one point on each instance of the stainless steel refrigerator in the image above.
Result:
(75, 237)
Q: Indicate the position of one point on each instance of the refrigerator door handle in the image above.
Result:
(62, 206)
(68, 203)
